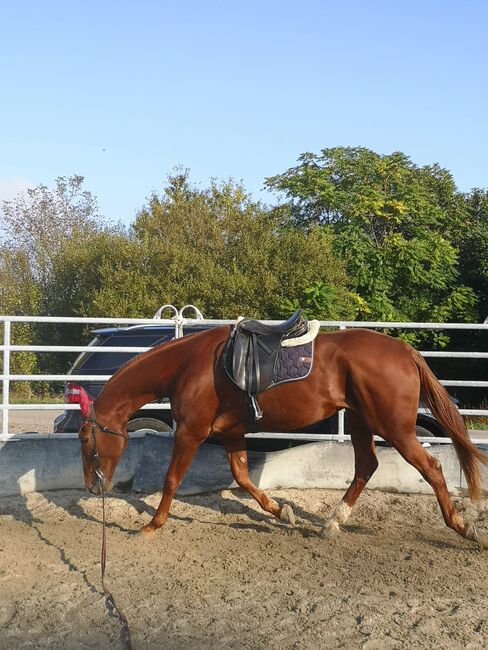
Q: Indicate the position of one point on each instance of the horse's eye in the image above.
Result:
(83, 440)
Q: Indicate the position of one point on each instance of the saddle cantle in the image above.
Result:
(257, 356)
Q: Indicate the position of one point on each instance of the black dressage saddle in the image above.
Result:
(253, 350)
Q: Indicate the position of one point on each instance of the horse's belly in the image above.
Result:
(296, 405)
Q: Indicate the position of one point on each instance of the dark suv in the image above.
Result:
(101, 363)
(106, 363)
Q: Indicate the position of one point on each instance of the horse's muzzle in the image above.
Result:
(95, 488)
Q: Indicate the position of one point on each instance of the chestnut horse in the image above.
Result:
(378, 379)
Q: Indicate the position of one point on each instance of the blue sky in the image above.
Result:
(121, 92)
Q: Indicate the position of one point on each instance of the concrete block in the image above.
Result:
(315, 465)
(484, 473)
(49, 462)
(208, 471)
(394, 474)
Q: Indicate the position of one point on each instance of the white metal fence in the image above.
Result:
(179, 321)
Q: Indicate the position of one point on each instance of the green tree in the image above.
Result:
(34, 228)
(473, 248)
(19, 295)
(395, 224)
(229, 255)
(39, 222)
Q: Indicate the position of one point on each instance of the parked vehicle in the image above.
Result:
(106, 363)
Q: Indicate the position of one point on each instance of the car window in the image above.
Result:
(99, 363)
(81, 358)
(187, 329)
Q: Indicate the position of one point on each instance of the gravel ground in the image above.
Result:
(32, 421)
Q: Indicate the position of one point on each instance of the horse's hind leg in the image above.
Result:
(185, 445)
(237, 456)
(365, 462)
(430, 468)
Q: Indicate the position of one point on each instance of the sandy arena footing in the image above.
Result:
(221, 573)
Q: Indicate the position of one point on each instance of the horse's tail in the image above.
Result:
(444, 410)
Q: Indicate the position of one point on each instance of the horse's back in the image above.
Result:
(365, 351)
(360, 338)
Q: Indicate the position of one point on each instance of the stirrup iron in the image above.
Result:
(258, 414)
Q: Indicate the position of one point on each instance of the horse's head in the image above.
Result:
(101, 447)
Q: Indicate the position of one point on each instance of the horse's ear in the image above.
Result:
(85, 403)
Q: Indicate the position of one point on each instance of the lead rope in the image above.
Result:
(98, 474)
(109, 599)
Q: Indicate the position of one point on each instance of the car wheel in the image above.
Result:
(422, 432)
(147, 423)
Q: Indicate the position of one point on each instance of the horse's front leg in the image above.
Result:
(185, 446)
(237, 456)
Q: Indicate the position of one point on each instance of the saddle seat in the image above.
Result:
(295, 325)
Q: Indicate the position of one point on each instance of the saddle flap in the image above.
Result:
(239, 356)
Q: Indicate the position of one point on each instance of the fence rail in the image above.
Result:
(179, 322)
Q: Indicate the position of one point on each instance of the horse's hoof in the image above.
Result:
(471, 533)
(287, 515)
(331, 529)
(482, 540)
(147, 532)
(474, 535)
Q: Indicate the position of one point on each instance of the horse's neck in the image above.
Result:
(143, 380)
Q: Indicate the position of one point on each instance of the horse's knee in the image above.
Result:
(434, 463)
(366, 470)
(170, 485)
(242, 482)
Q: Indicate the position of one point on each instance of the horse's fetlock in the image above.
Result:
(341, 513)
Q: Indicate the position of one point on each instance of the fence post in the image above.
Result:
(6, 373)
(179, 321)
(340, 415)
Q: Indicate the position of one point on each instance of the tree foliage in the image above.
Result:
(19, 295)
(39, 222)
(473, 248)
(229, 255)
(361, 235)
(34, 228)
(394, 223)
